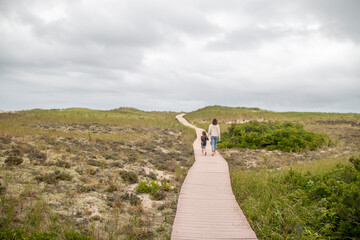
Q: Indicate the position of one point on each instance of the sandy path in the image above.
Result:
(207, 208)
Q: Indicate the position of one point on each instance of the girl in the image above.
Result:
(214, 134)
(204, 139)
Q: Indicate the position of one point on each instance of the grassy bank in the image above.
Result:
(307, 194)
(74, 173)
(314, 201)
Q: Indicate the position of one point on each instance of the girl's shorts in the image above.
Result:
(202, 146)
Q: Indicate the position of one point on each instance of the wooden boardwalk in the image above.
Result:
(207, 208)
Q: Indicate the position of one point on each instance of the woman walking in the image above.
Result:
(214, 135)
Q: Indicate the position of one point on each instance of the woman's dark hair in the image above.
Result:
(214, 121)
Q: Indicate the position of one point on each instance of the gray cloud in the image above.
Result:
(283, 19)
(156, 55)
(340, 18)
(248, 38)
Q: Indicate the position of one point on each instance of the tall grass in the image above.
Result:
(294, 203)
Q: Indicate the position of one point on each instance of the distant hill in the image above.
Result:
(239, 114)
(127, 109)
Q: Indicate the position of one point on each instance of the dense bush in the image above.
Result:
(288, 137)
(148, 187)
(302, 205)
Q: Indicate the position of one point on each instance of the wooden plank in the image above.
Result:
(207, 208)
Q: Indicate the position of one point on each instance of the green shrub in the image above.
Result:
(165, 186)
(355, 162)
(288, 137)
(42, 236)
(129, 177)
(155, 188)
(147, 187)
(294, 205)
(12, 234)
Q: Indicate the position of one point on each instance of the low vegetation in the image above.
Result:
(296, 203)
(156, 189)
(287, 137)
(73, 173)
(54, 177)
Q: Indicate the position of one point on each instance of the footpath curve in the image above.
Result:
(207, 208)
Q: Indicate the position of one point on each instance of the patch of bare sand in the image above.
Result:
(146, 201)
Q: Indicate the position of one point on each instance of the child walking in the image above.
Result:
(204, 139)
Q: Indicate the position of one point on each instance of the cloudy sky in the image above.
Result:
(299, 55)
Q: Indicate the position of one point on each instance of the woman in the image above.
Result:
(214, 135)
